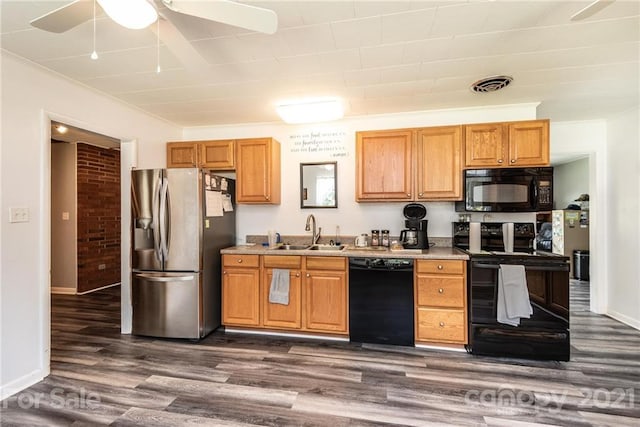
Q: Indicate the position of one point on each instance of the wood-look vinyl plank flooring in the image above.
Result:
(245, 380)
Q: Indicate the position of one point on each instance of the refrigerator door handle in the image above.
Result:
(153, 278)
(164, 219)
(155, 221)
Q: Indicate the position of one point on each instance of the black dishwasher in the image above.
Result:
(381, 301)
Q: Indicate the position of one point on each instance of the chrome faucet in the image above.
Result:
(316, 235)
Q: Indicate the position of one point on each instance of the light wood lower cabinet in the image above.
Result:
(318, 297)
(325, 290)
(440, 290)
(241, 290)
(280, 315)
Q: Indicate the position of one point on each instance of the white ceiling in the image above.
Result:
(380, 56)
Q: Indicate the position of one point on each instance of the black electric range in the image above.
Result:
(545, 335)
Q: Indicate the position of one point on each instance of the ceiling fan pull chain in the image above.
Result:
(158, 45)
(94, 54)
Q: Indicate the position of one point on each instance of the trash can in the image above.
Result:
(581, 265)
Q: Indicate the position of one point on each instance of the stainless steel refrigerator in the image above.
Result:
(181, 219)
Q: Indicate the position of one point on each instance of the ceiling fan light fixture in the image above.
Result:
(310, 110)
(132, 14)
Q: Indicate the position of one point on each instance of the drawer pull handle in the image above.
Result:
(440, 267)
(239, 260)
(440, 290)
(442, 324)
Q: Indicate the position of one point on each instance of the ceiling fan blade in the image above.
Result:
(181, 48)
(65, 17)
(591, 9)
(228, 12)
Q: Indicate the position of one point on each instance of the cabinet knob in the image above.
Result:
(266, 197)
(440, 267)
(513, 160)
(420, 194)
(440, 291)
(297, 274)
(499, 160)
(408, 194)
(239, 260)
(224, 272)
(308, 275)
(442, 324)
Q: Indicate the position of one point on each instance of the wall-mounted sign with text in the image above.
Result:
(331, 142)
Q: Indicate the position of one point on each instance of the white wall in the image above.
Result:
(570, 180)
(64, 236)
(623, 249)
(353, 218)
(570, 139)
(30, 96)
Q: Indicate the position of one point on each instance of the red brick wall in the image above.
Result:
(98, 180)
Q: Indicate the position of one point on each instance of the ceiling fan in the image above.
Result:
(122, 11)
(591, 9)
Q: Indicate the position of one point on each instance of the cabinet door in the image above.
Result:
(325, 301)
(241, 296)
(258, 171)
(485, 145)
(384, 169)
(439, 162)
(279, 315)
(182, 154)
(529, 143)
(218, 155)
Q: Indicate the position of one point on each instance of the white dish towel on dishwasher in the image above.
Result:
(279, 289)
(513, 295)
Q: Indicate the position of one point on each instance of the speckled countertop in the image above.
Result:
(436, 252)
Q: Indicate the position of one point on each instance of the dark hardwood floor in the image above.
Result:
(100, 377)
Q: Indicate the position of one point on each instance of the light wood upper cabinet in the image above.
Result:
(511, 144)
(325, 290)
(182, 154)
(384, 165)
(218, 155)
(258, 171)
(529, 143)
(439, 163)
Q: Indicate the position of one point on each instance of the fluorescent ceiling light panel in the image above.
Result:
(132, 14)
(310, 110)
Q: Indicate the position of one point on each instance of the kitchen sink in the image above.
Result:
(292, 247)
(326, 248)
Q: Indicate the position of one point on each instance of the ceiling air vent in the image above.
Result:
(491, 84)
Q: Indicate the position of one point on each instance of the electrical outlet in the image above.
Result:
(65, 216)
(18, 214)
(102, 266)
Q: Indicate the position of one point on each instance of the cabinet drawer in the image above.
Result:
(441, 325)
(326, 263)
(281, 261)
(230, 260)
(439, 291)
(440, 266)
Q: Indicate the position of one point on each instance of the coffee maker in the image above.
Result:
(415, 235)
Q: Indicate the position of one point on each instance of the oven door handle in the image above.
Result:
(527, 267)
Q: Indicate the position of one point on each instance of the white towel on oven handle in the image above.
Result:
(513, 295)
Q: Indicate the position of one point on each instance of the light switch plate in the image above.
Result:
(18, 214)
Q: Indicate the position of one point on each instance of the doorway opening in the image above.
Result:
(85, 210)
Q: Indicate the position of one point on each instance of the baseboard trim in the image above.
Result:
(99, 289)
(16, 386)
(629, 321)
(63, 290)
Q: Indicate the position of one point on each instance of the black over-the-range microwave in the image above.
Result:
(507, 190)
